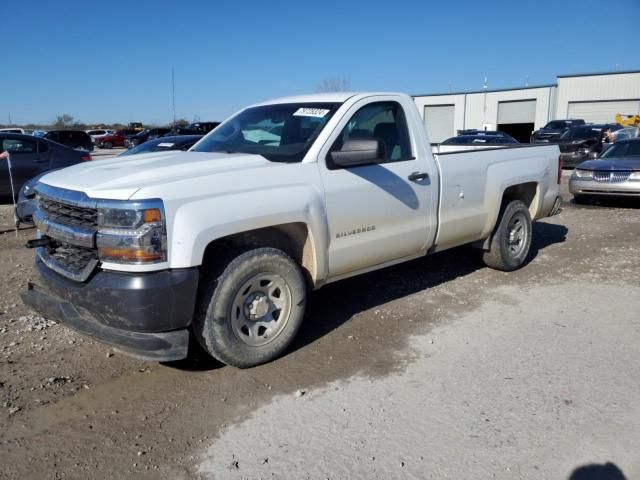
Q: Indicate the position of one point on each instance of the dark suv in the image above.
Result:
(552, 130)
(145, 135)
(71, 138)
(197, 128)
(583, 143)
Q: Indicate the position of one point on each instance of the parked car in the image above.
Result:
(615, 173)
(197, 128)
(14, 130)
(71, 138)
(474, 141)
(26, 204)
(146, 135)
(31, 156)
(223, 243)
(583, 143)
(98, 132)
(116, 139)
(492, 133)
(163, 144)
(552, 130)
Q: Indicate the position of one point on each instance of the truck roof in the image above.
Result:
(328, 97)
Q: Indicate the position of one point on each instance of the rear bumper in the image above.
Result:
(145, 315)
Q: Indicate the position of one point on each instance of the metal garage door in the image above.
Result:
(602, 112)
(438, 120)
(520, 111)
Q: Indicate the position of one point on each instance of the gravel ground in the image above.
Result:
(438, 368)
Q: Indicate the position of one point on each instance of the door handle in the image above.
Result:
(39, 160)
(417, 176)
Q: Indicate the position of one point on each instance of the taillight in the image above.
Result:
(86, 158)
(559, 169)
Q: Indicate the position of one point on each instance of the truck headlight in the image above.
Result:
(583, 151)
(132, 232)
(584, 174)
(634, 176)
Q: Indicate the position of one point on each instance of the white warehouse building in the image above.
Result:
(594, 97)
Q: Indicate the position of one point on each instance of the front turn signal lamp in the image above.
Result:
(132, 232)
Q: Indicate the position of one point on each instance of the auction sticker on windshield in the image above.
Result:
(310, 112)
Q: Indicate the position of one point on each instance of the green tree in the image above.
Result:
(63, 121)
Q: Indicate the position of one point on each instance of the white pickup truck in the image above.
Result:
(224, 242)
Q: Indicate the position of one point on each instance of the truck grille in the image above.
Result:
(72, 258)
(611, 177)
(70, 215)
(70, 220)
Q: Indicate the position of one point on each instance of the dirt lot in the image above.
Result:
(439, 368)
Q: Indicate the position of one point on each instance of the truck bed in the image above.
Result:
(472, 182)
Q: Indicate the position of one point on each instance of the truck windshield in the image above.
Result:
(279, 132)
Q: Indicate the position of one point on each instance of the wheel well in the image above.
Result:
(295, 239)
(527, 193)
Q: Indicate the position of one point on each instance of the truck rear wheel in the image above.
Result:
(511, 238)
(251, 308)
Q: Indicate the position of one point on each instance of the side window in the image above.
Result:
(43, 147)
(13, 145)
(384, 121)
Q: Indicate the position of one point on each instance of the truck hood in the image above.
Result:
(611, 164)
(121, 178)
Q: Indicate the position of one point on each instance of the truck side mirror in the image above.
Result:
(359, 152)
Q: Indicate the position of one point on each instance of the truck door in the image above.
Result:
(384, 211)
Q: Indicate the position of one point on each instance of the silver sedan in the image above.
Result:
(615, 173)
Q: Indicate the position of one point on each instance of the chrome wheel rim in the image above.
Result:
(261, 309)
(517, 235)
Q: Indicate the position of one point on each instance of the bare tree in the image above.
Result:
(336, 84)
(63, 121)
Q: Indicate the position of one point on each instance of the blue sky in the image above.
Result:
(111, 61)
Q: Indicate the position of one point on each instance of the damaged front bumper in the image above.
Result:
(144, 315)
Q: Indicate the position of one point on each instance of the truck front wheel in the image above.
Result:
(511, 238)
(251, 308)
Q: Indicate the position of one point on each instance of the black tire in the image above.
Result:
(511, 239)
(217, 320)
(581, 199)
(107, 145)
